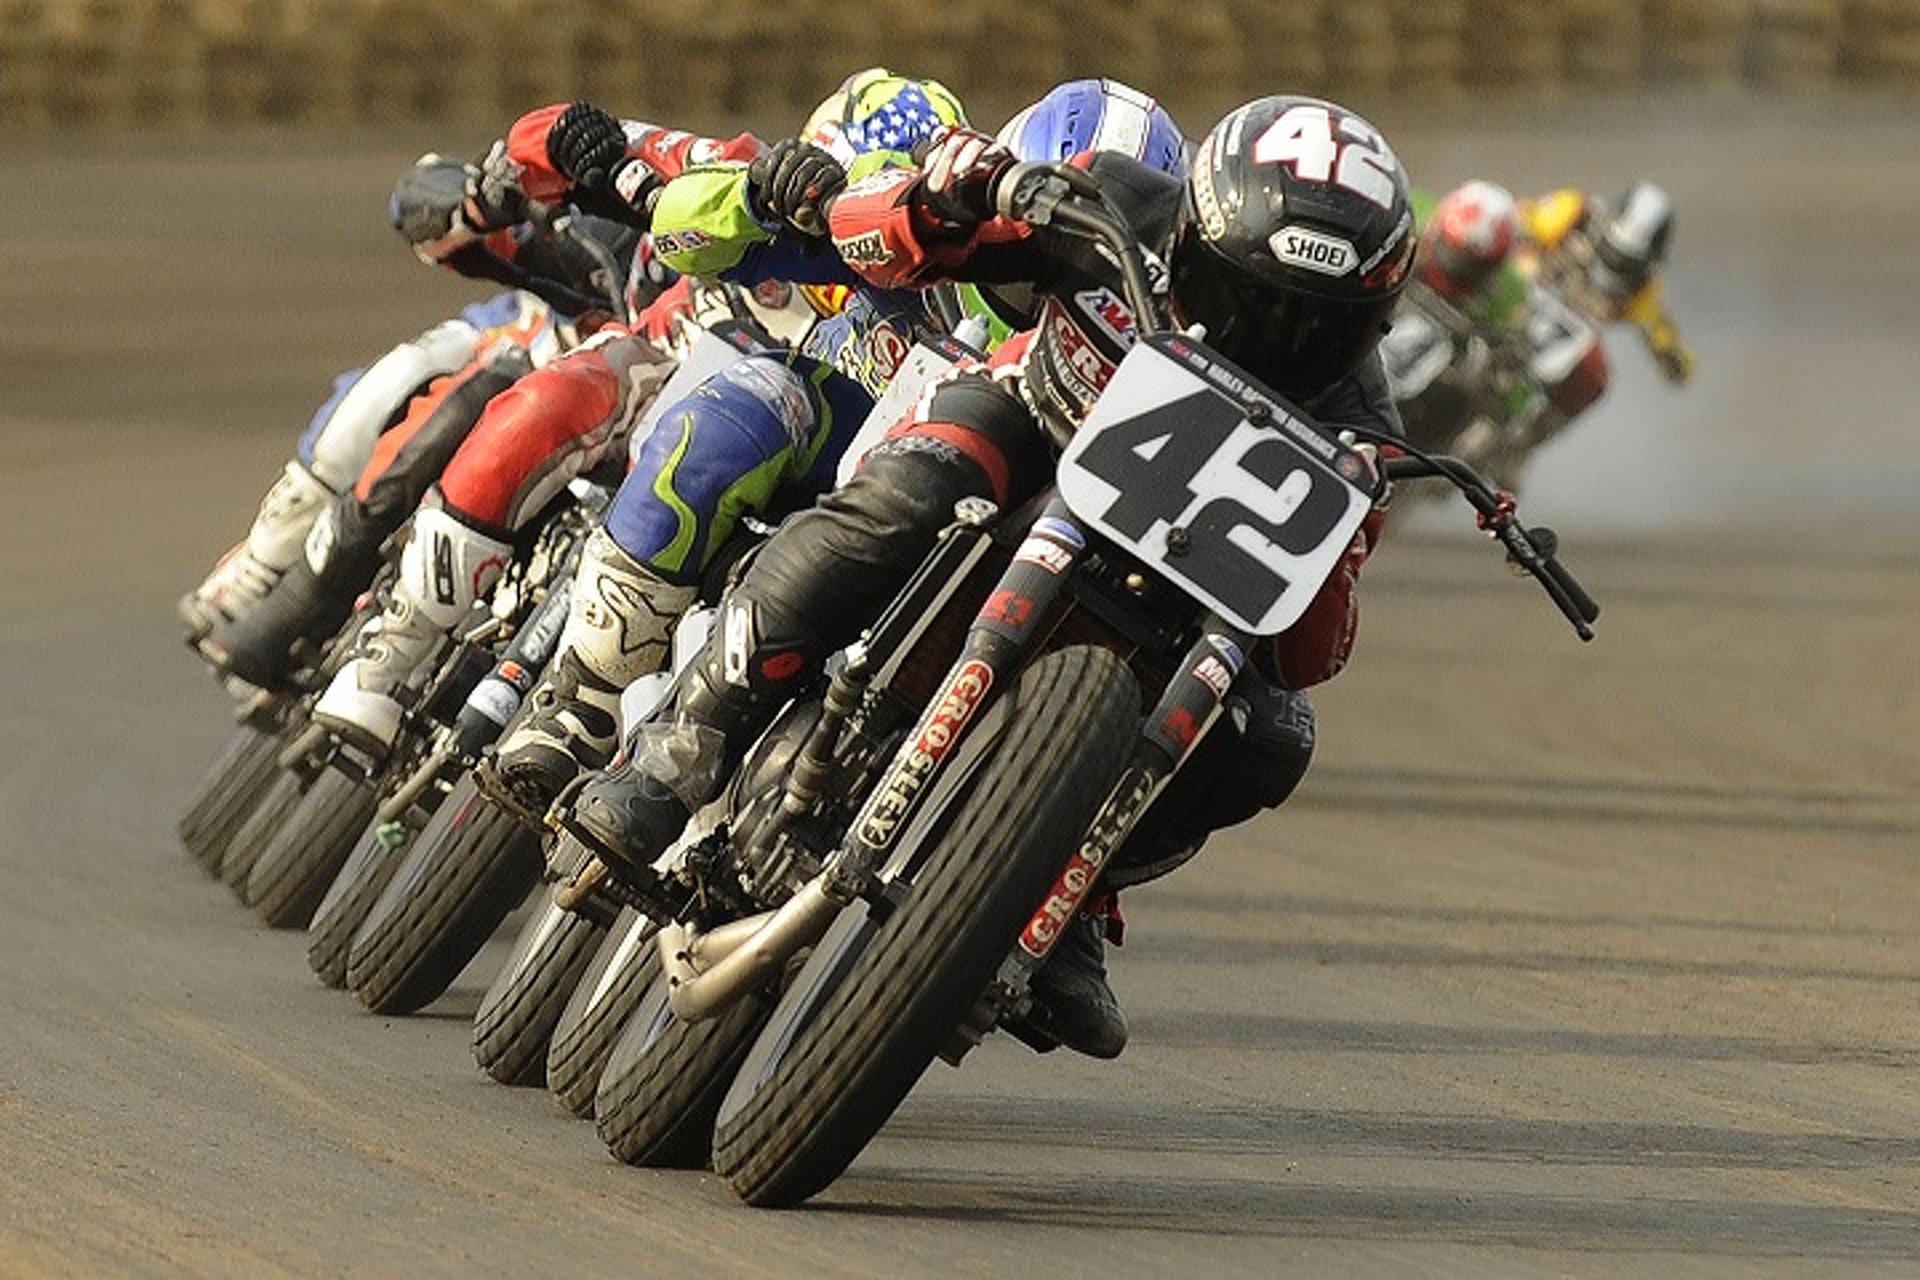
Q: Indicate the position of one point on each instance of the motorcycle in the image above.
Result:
(233, 781)
(531, 1003)
(261, 775)
(478, 856)
(270, 816)
(898, 852)
(1478, 394)
(457, 702)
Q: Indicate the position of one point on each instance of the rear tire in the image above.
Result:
(879, 998)
(464, 874)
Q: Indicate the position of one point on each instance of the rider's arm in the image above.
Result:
(704, 225)
(888, 230)
(662, 154)
(1647, 311)
(1316, 648)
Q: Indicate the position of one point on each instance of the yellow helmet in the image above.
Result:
(877, 112)
(1551, 217)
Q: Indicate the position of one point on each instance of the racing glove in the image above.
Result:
(791, 181)
(959, 168)
(494, 198)
(586, 144)
(588, 147)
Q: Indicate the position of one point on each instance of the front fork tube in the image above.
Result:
(1188, 708)
(1007, 624)
(707, 973)
(489, 706)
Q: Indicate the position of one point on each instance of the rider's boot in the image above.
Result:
(620, 621)
(248, 572)
(677, 761)
(445, 566)
(1082, 1011)
(311, 600)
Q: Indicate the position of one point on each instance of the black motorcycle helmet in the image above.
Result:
(1294, 242)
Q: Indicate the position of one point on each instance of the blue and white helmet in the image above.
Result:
(1097, 115)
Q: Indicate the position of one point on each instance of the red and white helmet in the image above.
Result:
(1473, 229)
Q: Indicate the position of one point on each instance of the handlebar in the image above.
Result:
(1532, 550)
(1042, 194)
(558, 222)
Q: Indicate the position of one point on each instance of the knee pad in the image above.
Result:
(973, 420)
(1275, 747)
(532, 438)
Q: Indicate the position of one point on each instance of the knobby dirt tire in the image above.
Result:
(877, 1000)
(515, 1021)
(460, 879)
(227, 793)
(603, 999)
(297, 865)
(662, 1084)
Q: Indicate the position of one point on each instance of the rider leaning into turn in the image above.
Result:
(1473, 258)
(669, 517)
(761, 438)
(459, 432)
(549, 281)
(1533, 282)
(530, 440)
(1605, 257)
(992, 430)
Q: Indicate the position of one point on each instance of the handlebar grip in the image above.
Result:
(1021, 187)
(1587, 607)
(1571, 596)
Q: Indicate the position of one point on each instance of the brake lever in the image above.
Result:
(1030, 192)
(1533, 552)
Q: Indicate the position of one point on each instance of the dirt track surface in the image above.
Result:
(1566, 959)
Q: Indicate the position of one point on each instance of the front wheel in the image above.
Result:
(369, 868)
(516, 1018)
(879, 998)
(596, 1014)
(279, 796)
(663, 1082)
(299, 861)
(471, 865)
(228, 792)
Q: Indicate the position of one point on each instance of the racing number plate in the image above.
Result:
(1250, 519)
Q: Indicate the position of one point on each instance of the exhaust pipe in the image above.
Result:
(707, 974)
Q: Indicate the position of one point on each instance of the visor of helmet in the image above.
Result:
(1292, 338)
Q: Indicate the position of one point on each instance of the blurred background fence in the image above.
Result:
(153, 64)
